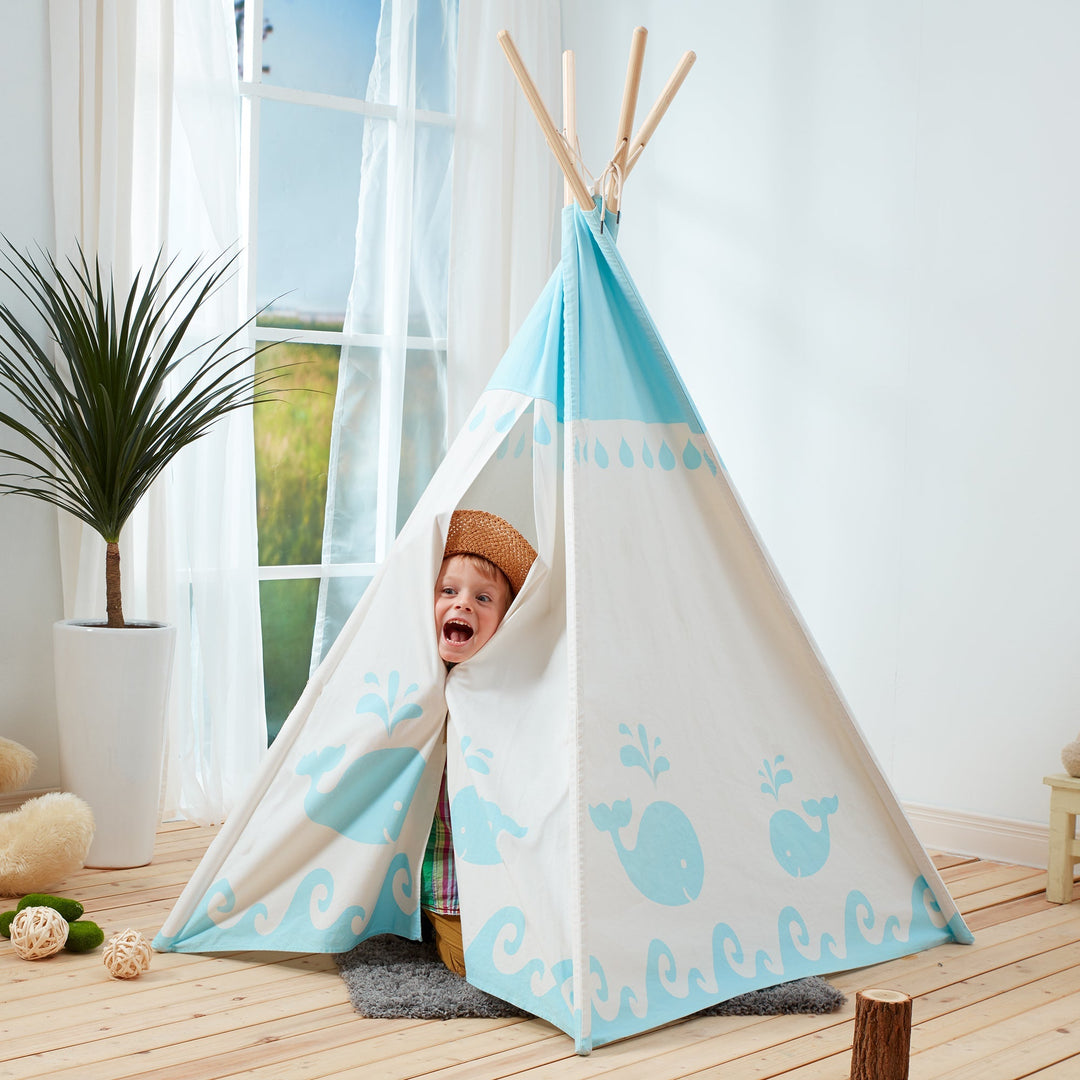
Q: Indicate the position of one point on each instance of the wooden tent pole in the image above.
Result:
(882, 1042)
(551, 134)
(569, 112)
(626, 112)
(656, 114)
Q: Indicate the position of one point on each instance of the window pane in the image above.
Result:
(292, 451)
(436, 54)
(428, 288)
(423, 427)
(322, 45)
(309, 176)
(356, 481)
(288, 622)
(342, 595)
(239, 9)
(380, 278)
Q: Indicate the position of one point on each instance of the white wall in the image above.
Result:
(29, 561)
(859, 233)
(858, 230)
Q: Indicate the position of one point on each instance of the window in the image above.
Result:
(347, 135)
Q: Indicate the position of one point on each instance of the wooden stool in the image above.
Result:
(1064, 847)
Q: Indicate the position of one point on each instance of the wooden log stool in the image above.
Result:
(882, 1042)
(1064, 847)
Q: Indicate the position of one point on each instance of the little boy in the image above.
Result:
(485, 563)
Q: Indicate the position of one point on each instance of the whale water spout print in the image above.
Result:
(477, 760)
(799, 848)
(388, 708)
(477, 824)
(774, 781)
(666, 864)
(642, 755)
(371, 800)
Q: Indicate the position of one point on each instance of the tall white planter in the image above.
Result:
(112, 690)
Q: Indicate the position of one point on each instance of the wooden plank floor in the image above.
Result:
(1004, 1008)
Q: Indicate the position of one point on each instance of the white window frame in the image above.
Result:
(252, 94)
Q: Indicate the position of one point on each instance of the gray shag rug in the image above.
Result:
(389, 977)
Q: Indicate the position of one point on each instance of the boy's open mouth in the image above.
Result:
(456, 631)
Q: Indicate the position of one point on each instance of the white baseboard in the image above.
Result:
(1000, 839)
(14, 799)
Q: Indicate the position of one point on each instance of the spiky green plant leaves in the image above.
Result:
(131, 392)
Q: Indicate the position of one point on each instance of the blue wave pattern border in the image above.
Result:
(296, 931)
(797, 956)
(654, 452)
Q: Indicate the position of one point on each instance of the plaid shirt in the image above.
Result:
(438, 878)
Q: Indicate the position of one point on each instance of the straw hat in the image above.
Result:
(476, 532)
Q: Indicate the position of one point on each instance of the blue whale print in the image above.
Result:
(800, 849)
(667, 865)
(372, 798)
(477, 824)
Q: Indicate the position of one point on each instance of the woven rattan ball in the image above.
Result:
(127, 955)
(38, 932)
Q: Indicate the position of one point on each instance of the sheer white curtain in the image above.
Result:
(455, 240)
(145, 158)
(389, 430)
(507, 189)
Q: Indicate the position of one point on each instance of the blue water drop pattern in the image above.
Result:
(534, 421)
(656, 449)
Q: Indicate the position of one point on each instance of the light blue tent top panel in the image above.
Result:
(626, 373)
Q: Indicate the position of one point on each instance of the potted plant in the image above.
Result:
(94, 431)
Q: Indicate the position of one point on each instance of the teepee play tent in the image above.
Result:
(658, 797)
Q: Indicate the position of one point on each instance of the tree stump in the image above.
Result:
(882, 1044)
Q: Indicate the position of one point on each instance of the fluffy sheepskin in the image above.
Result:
(47, 838)
(17, 765)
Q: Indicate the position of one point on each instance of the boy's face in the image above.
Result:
(470, 602)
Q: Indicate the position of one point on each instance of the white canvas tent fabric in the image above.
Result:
(658, 797)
